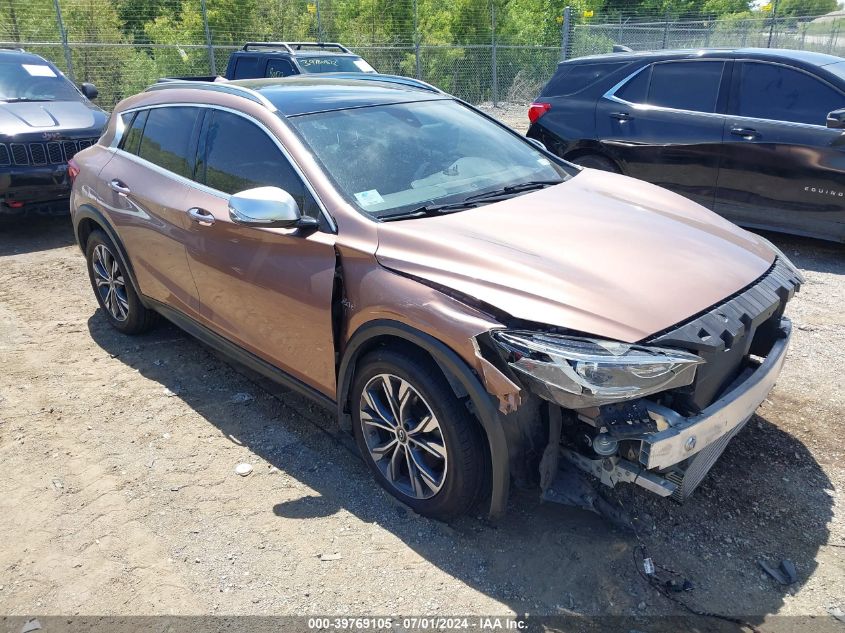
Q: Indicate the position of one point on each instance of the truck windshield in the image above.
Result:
(334, 64)
(399, 159)
(34, 82)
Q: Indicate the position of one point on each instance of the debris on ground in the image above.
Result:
(241, 398)
(243, 469)
(786, 574)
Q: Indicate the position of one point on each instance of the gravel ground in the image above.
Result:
(119, 495)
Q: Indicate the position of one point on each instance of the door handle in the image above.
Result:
(621, 116)
(119, 187)
(745, 132)
(201, 215)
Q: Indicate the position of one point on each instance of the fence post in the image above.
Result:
(212, 64)
(319, 23)
(666, 31)
(566, 34)
(63, 35)
(772, 24)
(417, 41)
(493, 77)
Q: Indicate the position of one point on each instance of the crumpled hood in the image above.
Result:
(49, 116)
(601, 254)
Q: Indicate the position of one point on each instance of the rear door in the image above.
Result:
(665, 125)
(782, 167)
(145, 186)
(267, 290)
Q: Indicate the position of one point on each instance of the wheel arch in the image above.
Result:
(461, 378)
(88, 219)
(597, 150)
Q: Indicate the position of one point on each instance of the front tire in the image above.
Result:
(113, 287)
(417, 438)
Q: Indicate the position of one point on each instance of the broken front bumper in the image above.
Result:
(674, 460)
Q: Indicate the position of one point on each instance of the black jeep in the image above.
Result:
(44, 121)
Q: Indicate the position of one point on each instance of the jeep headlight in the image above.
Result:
(580, 372)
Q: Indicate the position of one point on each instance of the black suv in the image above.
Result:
(753, 134)
(44, 121)
(282, 59)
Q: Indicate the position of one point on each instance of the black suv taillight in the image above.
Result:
(538, 109)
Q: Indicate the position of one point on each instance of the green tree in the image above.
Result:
(800, 8)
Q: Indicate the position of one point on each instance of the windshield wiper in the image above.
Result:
(474, 200)
(428, 210)
(22, 100)
(509, 190)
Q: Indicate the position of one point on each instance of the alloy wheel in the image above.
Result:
(111, 286)
(403, 436)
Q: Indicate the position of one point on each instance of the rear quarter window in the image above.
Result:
(573, 78)
(248, 67)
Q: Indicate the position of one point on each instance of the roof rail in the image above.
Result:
(13, 48)
(290, 46)
(227, 88)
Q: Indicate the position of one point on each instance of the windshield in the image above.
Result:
(393, 158)
(331, 64)
(34, 82)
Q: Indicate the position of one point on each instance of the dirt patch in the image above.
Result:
(119, 493)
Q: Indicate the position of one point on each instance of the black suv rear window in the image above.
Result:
(572, 78)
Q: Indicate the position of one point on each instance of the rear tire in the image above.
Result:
(113, 288)
(433, 459)
(596, 161)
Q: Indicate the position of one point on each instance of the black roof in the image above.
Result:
(22, 56)
(805, 57)
(301, 94)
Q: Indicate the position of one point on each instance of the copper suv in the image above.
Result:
(476, 310)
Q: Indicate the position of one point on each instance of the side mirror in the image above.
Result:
(268, 207)
(89, 90)
(836, 119)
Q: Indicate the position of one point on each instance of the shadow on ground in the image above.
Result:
(31, 234)
(767, 498)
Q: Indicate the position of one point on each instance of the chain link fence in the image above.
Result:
(123, 46)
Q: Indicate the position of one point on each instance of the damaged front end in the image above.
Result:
(658, 413)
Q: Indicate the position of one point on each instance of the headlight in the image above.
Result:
(580, 372)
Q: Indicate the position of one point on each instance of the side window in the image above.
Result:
(167, 138)
(279, 68)
(240, 155)
(575, 77)
(134, 123)
(248, 67)
(686, 85)
(770, 91)
(636, 90)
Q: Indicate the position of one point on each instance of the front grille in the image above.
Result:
(19, 154)
(54, 153)
(698, 467)
(39, 154)
(69, 148)
(726, 334)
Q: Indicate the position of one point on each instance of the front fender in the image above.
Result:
(483, 403)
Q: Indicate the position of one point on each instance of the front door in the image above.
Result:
(664, 125)
(267, 290)
(782, 167)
